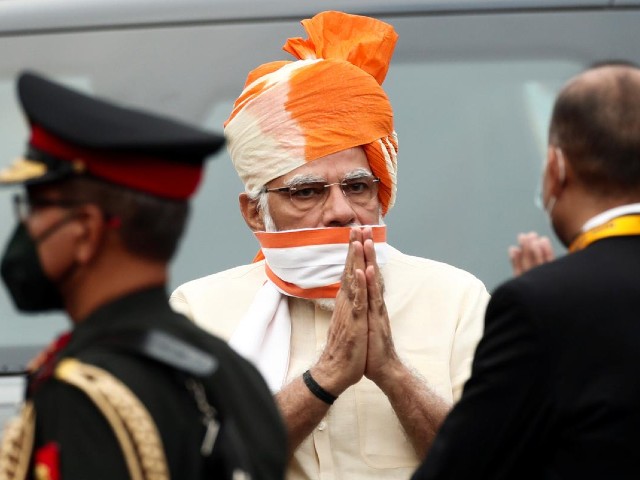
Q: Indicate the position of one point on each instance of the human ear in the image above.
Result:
(93, 231)
(251, 212)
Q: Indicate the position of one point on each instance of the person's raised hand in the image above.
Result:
(343, 359)
(532, 250)
(382, 359)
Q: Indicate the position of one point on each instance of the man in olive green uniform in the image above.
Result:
(134, 390)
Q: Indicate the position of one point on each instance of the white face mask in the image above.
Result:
(308, 263)
(551, 203)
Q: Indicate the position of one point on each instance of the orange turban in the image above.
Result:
(327, 101)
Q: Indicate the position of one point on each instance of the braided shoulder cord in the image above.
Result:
(17, 445)
(131, 422)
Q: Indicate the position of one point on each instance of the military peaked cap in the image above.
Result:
(76, 134)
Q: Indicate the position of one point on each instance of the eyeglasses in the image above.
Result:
(359, 191)
(23, 205)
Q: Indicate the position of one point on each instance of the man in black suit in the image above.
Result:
(134, 390)
(555, 385)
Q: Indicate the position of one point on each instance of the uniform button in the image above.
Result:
(240, 475)
(322, 425)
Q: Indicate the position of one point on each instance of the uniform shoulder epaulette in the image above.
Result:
(166, 349)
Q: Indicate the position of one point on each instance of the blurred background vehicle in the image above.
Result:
(472, 83)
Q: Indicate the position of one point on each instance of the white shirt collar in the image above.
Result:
(609, 214)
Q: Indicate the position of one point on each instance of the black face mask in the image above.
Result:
(22, 273)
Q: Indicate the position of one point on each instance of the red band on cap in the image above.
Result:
(152, 175)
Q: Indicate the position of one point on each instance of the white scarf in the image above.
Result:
(305, 263)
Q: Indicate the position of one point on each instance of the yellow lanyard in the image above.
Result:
(616, 227)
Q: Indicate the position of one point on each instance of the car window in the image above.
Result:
(471, 92)
(472, 141)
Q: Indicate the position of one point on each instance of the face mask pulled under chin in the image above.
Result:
(22, 273)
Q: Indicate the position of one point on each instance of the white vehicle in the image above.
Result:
(471, 82)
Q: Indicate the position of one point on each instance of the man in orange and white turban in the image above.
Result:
(365, 348)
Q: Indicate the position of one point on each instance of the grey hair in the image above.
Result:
(262, 199)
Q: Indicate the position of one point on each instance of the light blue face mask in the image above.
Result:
(538, 199)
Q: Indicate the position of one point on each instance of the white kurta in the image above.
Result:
(437, 317)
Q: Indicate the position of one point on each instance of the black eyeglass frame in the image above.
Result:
(343, 184)
(23, 204)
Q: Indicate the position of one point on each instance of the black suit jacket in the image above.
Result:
(555, 386)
